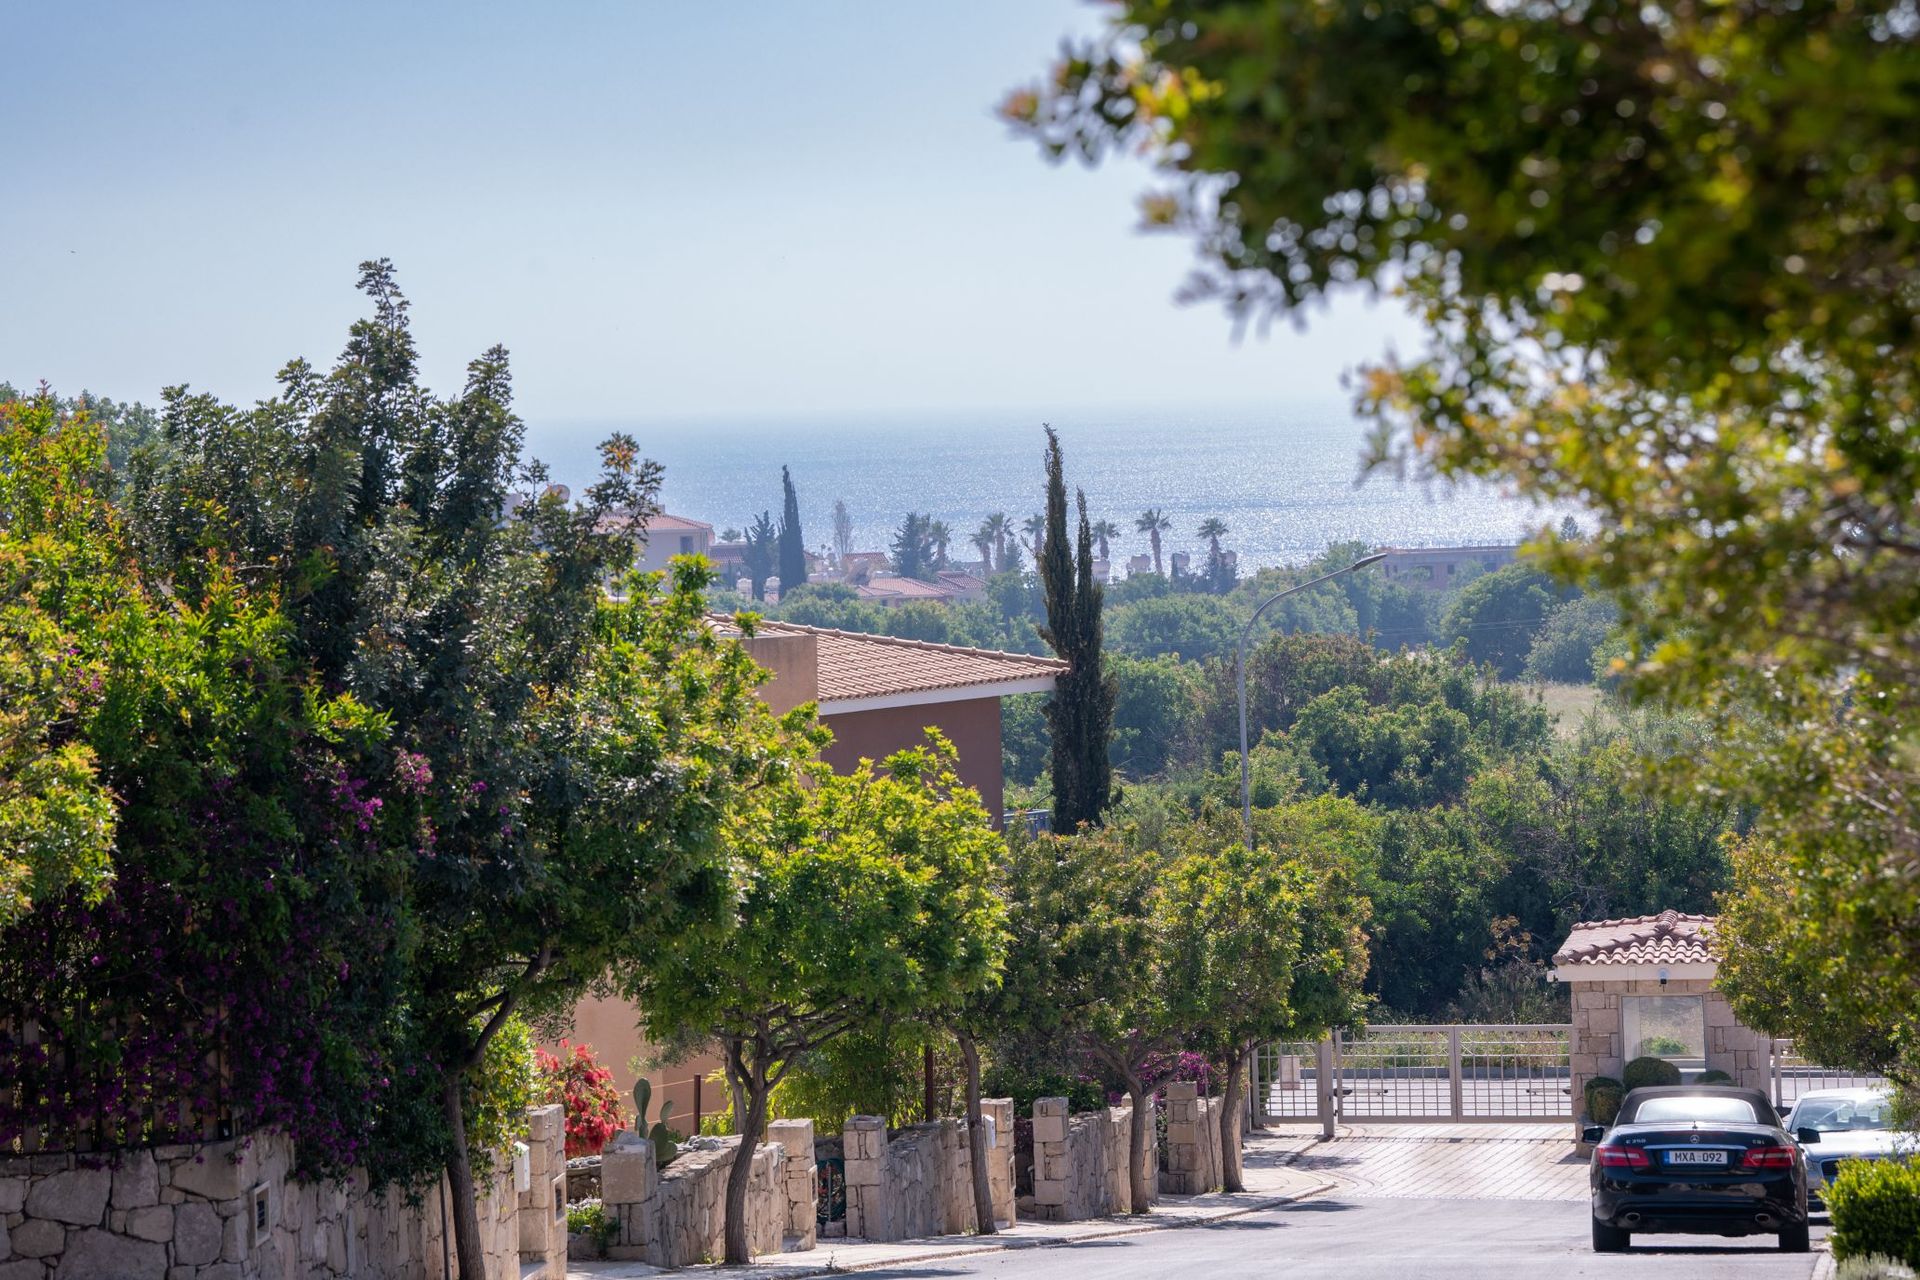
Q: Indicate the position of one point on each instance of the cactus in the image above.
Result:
(664, 1148)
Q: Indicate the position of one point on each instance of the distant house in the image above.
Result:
(857, 566)
(879, 694)
(665, 537)
(1438, 568)
(1142, 563)
(947, 586)
(1181, 562)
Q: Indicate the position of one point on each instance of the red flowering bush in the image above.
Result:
(577, 1081)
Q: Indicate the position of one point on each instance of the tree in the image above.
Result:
(1221, 573)
(1497, 615)
(1104, 531)
(792, 545)
(1035, 527)
(1080, 711)
(1193, 626)
(856, 897)
(760, 558)
(1564, 646)
(1155, 714)
(1213, 528)
(983, 542)
(1259, 946)
(556, 763)
(66, 587)
(913, 555)
(1153, 523)
(939, 537)
(995, 529)
(842, 530)
(1663, 255)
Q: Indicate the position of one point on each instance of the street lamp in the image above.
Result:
(1246, 776)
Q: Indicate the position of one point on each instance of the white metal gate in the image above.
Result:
(1418, 1073)
(1794, 1075)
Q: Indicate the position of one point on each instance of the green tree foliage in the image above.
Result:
(792, 562)
(1155, 714)
(1497, 615)
(1193, 626)
(856, 898)
(761, 556)
(1153, 522)
(1080, 709)
(1664, 255)
(557, 763)
(66, 593)
(1401, 757)
(913, 555)
(1574, 631)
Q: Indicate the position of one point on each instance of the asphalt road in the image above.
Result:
(1330, 1237)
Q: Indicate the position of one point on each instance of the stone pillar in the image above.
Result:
(801, 1179)
(864, 1148)
(1188, 1162)
(542, 1239)
(1052, 1165)
(629, 1192)
(997, 1114)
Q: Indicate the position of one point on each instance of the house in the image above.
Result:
(878, 694)
(1141, 563)
(1439, 568)
(948, 586)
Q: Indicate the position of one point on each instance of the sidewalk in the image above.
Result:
(1270, 1179)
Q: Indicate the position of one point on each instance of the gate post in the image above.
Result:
(1323, 1089)
(1453, 1070)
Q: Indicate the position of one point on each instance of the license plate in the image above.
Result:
(1685, 1156)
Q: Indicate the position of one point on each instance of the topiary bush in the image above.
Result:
(1603, 1094)
(1875, 1208)
(1646, 1072)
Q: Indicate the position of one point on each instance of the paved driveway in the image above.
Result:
(1447, 1161)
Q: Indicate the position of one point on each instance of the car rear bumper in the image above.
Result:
(1718, 1213)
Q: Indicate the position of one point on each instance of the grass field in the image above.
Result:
(1568, 704)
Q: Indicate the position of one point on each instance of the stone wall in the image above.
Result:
(1080, 1162)
(676, 1216)
(909, 1184)
(230, 1211)
(1193, 1141)
(998, 1115)
(1596, 1048)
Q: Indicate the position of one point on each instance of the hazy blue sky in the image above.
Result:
(664, 210)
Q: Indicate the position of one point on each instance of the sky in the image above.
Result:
(666, 212)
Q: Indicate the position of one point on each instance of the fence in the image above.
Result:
(1794, 1075)
(1401, 1073)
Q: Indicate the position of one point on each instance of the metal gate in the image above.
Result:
(1440, 1073)
(1794, 1075)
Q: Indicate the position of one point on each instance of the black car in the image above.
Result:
(1702, 1159)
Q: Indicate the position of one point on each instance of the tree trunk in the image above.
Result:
(1139, 1134)
(466, 1209)
(977, 1139)
(754, 1080)
(1232, 1176)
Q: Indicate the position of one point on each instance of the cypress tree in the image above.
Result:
(1080, 712)
(793, 547)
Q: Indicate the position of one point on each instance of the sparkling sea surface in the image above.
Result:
(1287, 480)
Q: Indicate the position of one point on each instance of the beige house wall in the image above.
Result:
(1597, 1050)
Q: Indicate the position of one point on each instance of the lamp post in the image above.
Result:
(1246, 775)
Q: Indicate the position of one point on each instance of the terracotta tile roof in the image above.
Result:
(855, 665)
(896, 588)
(1668, 938)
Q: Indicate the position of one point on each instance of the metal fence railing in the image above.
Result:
(1794, 1075)
(1403, 1073)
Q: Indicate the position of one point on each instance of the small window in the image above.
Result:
(686, 544)
(259, 1215)
(560, 1196)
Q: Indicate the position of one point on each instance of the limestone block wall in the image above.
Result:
(230, 1210)
(541, 1210)
(800, 1182)
(1080, 1162)
(676, 1216)
(1193, 1141)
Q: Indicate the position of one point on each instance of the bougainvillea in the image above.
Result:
(575, 1079)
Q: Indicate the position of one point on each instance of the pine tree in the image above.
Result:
(1080, 712)
(793, 547)
(758, 557)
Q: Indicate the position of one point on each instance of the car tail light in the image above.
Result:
(1770, 1157)
(1613, 1157)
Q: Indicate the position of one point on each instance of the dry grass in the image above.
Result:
(1569, 704)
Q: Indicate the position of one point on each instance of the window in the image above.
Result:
(686, 544)
(1711, 1110)
(259, 1215)
(1671, 1027)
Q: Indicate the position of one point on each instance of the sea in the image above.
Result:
(1288, 481)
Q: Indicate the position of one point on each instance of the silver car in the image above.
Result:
(1853, 1124)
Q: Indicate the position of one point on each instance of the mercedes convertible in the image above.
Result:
(1700, 1159)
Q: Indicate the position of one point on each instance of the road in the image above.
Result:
(1332, 1237)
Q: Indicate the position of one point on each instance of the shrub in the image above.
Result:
(1874, 1266)
(1663, 1046)
(1714, 1077)
(1644, 1072)
(590, 1218)
(499, 1093)
(1875, 1208)
(1603, 1094)
(576, 1080)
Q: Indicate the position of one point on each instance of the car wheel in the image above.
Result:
(1794, 1239)
(1608, 1239)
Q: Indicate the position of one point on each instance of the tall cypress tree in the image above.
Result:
(1080, 713)
(793, 547)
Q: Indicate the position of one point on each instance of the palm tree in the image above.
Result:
(1153, 522)
(1035, 527)
(1102, 531)
(995, 528)
(938, 536)
(1213, 528)
(983, 543)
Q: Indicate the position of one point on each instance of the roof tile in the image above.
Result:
(1671, 937)
(854, 664)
